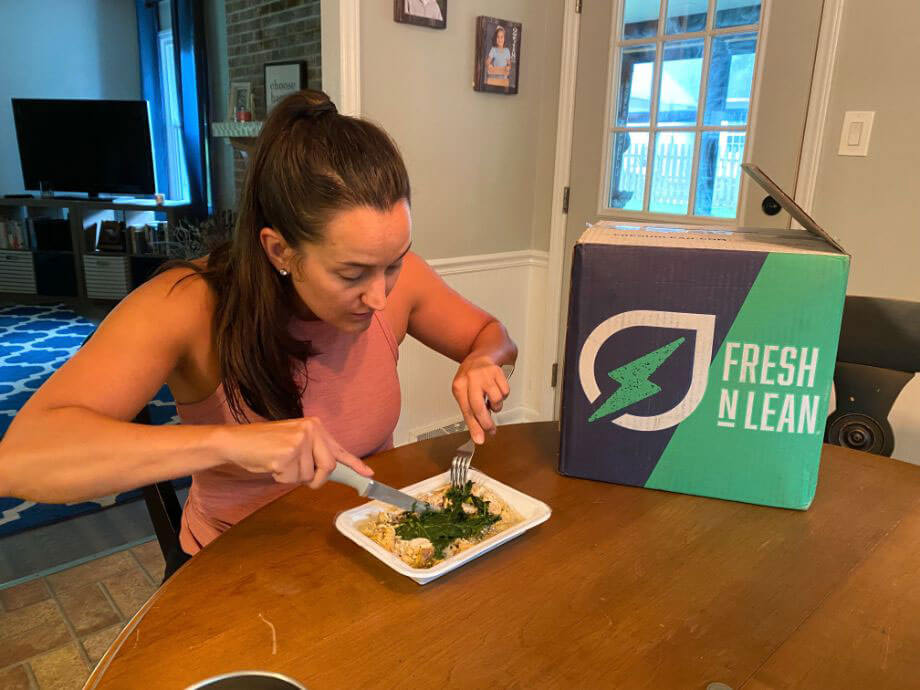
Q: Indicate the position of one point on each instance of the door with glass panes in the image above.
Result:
(671, 96)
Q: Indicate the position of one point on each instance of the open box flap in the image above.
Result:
(789, 205)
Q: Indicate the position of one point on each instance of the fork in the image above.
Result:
(463, 456)
(460, 465)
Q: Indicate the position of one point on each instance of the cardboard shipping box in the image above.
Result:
(701, 360)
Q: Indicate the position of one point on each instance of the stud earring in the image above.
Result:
(282, 271)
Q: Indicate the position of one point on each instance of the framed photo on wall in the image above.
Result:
(282, 78)
(430, 13)
(498, 55)
(239, 103)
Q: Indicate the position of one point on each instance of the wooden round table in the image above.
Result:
(622, 587)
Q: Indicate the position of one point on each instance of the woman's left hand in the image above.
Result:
(480, 387)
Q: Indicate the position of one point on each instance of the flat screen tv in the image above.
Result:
(92, 146)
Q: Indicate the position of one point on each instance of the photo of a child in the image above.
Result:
(498, 61)
(498, 55)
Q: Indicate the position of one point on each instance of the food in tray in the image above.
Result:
(462, 518)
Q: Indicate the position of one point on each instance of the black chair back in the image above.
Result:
(162, 505)
(879, 353)
(162, 501)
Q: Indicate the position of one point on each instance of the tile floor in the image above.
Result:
(54, 629)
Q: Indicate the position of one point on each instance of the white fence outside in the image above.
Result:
(673, 174)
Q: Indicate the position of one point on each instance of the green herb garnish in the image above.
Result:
(444, 526)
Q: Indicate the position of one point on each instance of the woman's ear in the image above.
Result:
(276, 249)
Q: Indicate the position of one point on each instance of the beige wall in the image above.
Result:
(481, 164)
(76, 49)
(331, 49)
(546, 134)
(871, 203)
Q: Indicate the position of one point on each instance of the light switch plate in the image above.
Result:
(854, 135)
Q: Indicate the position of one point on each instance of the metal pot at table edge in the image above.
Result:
(248, 680)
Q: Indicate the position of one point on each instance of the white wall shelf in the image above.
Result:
(235, 129)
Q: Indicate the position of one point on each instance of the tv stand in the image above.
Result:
(77, 210)
(172, 209)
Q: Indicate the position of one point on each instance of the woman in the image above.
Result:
(279, 347)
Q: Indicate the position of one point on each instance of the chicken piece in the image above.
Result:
(464, 544)
(416, 552)
(436, 501)
(386, 537)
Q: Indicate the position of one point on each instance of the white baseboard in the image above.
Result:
(509, 285)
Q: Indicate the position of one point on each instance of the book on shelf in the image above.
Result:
(89, 237)
(148, 240)
(112, 237)
(14, 234)
(138, 238)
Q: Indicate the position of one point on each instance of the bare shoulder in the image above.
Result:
(152, 336)
(415, 275)
(179, 299)
(405, 295)
(183, 282)
(416, 265)
(427, 308)
(181, 288)
(173, 309)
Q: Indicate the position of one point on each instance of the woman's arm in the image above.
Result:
(446, 322)
(73, 439)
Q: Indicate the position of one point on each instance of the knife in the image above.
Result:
(371, 488)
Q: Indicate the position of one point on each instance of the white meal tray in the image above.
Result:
(533, 511)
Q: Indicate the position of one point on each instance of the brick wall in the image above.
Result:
(260, 31)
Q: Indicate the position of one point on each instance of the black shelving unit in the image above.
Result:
(143, 266)
(58, 258)
(55, 275)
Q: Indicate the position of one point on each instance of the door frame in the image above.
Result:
(341, 53)
(806, 177)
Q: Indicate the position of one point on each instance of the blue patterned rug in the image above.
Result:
(34, 342)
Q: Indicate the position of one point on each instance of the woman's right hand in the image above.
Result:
(294, 451)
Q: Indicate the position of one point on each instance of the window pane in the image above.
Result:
(629, 159)
(719, 177)
(686, 15)
(731, 73)
(672, 171)
(637, 65)
(678, 97)
(640, 18)
(737, 12)
(177, 171)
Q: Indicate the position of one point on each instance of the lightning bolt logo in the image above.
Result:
(633, 380)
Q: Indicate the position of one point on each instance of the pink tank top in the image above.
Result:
(352, 388)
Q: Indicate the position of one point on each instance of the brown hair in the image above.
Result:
(309, 164)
